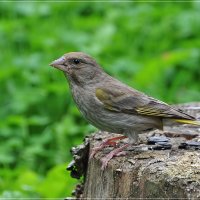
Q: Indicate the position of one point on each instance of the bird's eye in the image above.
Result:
(76, 61)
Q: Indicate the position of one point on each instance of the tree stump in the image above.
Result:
(155, 172)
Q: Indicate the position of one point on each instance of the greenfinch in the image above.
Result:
(111, 105)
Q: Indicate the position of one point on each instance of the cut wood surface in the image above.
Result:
(147, 173)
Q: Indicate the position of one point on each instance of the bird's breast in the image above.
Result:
(91, 108)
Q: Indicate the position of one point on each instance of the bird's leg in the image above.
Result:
(133, 140)
(108, 142)
(116, 152)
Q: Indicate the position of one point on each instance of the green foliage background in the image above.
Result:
(154, 47)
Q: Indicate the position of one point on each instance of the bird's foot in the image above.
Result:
(116, 152)
(108, 142)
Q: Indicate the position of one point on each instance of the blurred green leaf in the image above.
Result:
(55, 183)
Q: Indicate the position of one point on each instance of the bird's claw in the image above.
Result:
(116, 152)
(108, 142)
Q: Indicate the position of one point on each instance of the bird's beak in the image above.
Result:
(58, 63)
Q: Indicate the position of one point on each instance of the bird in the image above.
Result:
(112, 106)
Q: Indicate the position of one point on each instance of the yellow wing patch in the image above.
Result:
(185, 121)
(101, 94)
(105, 99)
(150, 111)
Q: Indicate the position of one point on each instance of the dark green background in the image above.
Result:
(154, 47)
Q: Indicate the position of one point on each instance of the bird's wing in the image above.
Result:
(134, 102)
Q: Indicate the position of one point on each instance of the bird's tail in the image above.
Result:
(187, 121)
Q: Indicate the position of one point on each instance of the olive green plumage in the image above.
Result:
(111, 105)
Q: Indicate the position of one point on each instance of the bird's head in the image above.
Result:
(78, 67)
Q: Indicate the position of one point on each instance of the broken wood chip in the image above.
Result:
(190, 145)
(187, 135)
(156, 139)
(161, 146)
(78, 165)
